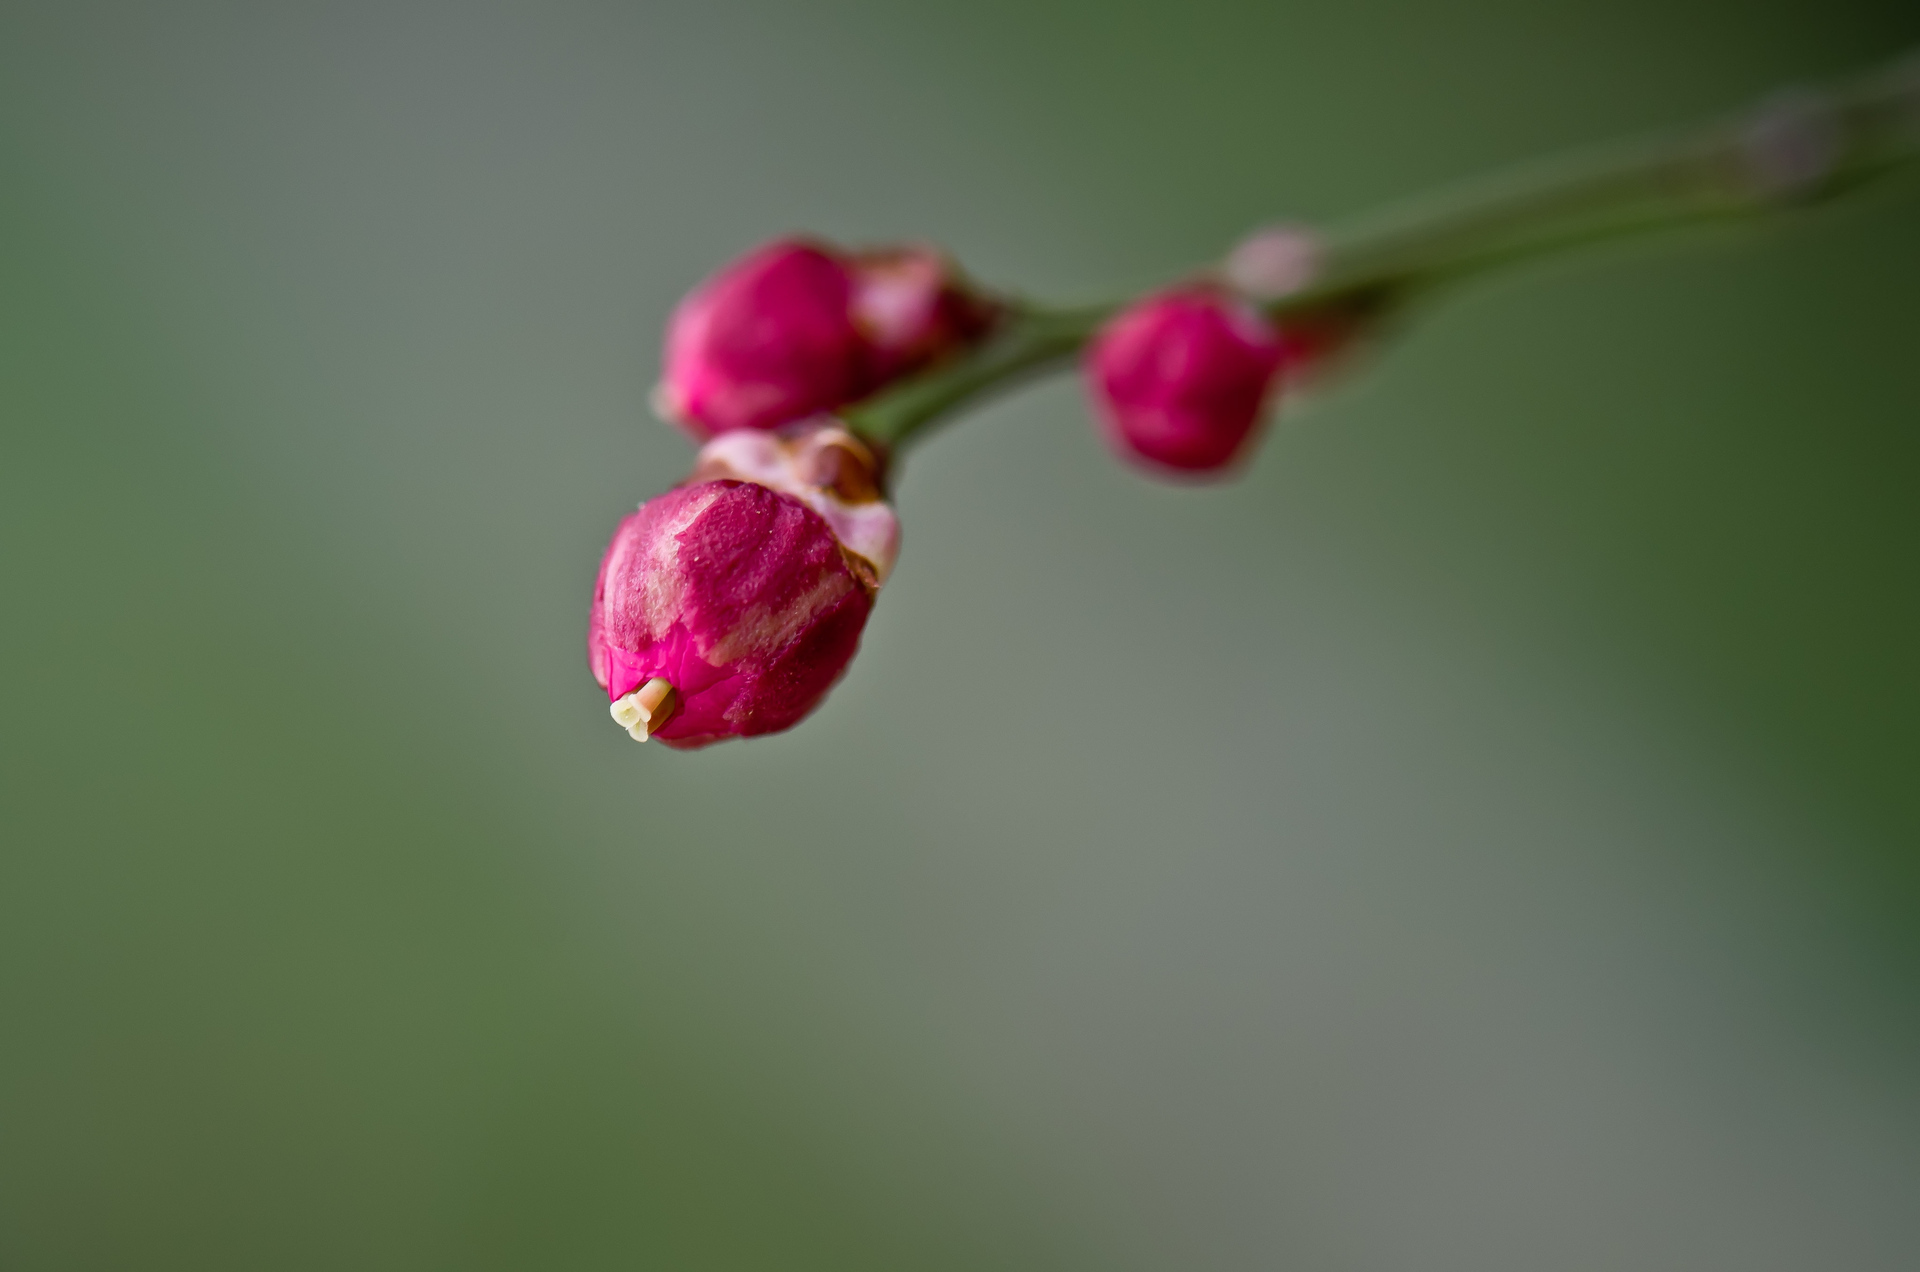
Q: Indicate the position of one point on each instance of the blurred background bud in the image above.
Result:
(1180, 379)
(1273, 262)
(914, 309)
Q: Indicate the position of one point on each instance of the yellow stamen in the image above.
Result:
(642, 712)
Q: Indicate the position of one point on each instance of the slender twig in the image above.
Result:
(1795, 148)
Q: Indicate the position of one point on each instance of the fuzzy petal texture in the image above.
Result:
(824, 466)
(1182, 378)
(738, 595)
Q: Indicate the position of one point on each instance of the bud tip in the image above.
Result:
(642, 712)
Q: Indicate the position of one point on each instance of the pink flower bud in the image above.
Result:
(913, 309)
(824, 466)
(729, 606)
(1182, 377)
(767, 340)
(797, 328)
(1276, 261)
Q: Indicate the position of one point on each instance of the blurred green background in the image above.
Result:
(1484, 837)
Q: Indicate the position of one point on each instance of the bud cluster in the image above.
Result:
(730, 605)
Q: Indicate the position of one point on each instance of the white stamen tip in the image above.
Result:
(642, 712)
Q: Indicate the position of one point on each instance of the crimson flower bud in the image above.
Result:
(768, 340)
(1181, 378)
(797, 328)
(730, 605)
(913, 309)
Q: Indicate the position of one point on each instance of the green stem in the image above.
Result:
(1793, 149)
(1029, 339)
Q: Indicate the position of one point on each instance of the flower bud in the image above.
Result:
(1181, 378)
(796, 328)
(768, 340)
(1273, 262)
(730, 605)
(824, 466)
(913, 309)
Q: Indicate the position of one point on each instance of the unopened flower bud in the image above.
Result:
(1182, 377)
(823, 465)
(796, 328)
(729, 606)
(913, 308)
(1274, 262)
(768, 340)
(1281, 261)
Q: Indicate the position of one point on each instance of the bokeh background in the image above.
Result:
(1484, 837)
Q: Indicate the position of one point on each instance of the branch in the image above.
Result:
(1795, 148)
